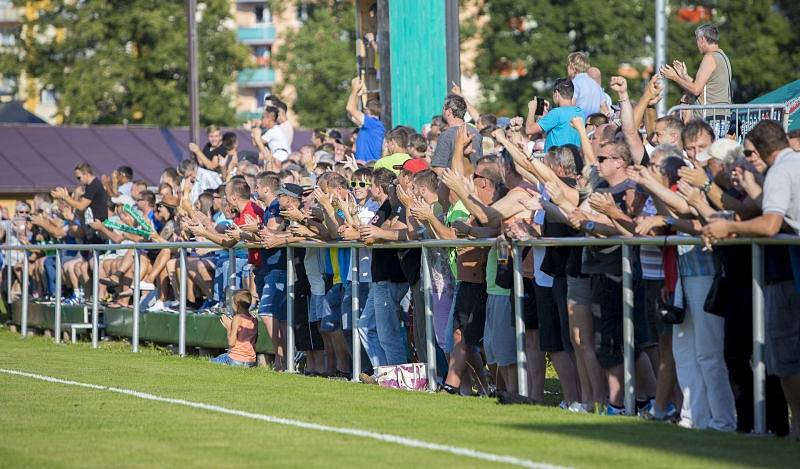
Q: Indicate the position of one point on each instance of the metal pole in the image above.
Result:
(137, 273)
(182, 309)
(95, 299)
(57, 325)
(231, 280)
(9, 276)
(289, 310)
(355, 313)
(661, 50)
(519, 325)
(429, 333)
(194, 118)
(627, 331)
(25, 282)
(759, 368)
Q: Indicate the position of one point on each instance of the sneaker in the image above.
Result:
(207, 305)
(563, 405)
(611, 410)
(367, 379)
(157, 306)
(72, 300)
(578, 408)
(146, 286)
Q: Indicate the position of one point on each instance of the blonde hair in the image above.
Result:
(241, 298)
(579, 61)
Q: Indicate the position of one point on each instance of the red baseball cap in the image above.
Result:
(413, 165)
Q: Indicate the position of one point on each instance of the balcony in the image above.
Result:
(9, 14)
(256, 78)
(259, 34)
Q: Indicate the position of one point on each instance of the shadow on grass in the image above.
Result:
(668, 439)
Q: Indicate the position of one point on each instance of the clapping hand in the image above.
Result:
(421, 210)
(577, 217)
(602, 202)
(59, 193)
(694, 176)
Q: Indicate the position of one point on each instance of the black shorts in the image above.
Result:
(551, 305)
(530, 316)
(470, 311)
(607, 312)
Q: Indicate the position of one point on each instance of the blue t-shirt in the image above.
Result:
(369, 143)
(274, 258)
(559, 130)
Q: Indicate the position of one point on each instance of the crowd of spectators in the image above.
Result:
(584, 164)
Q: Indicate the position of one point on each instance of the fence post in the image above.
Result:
(231, 280)
(429, 332)
(25, 282)
(182, 307)
(519, 324)
(355, 313)
(289, 311)
(57, 325)
(627, 330)
(9, 277)
(137, 272)
(95, 299)
(759, 368)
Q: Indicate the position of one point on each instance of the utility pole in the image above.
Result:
(194, 108)
(661, 50)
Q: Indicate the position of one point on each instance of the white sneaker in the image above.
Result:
(146, 286)
(172, 304)
(157, 306)
(578, 408)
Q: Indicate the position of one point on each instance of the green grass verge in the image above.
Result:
(55, 425)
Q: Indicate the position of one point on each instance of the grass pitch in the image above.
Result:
(55, 425)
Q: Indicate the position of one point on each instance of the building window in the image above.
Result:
(261, 95)
(304, 11)
(263, 14)
(262, 55)
(47, 97)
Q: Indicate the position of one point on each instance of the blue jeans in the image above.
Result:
(50, 273)
(221, 277)
(369, 333)
(347, 302)
(389, 320)
(225, 359)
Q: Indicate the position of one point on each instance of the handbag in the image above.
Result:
(409, 376)
(670, 314)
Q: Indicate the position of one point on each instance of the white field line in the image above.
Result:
(399, 440)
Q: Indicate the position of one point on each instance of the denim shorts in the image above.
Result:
(225, 359)
(273, 295)
(318, 308)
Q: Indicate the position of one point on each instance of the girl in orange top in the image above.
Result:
(242, 330)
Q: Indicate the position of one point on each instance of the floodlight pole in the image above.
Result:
(194, 117)
(661, 50)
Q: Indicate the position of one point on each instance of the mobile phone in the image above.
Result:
(539, 106)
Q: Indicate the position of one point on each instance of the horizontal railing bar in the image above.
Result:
(693, 107)
(430, 243)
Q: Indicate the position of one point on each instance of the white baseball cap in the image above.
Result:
(723, 149)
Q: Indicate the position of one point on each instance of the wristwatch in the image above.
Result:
(707, 186)
(669, 220)
(589, 226)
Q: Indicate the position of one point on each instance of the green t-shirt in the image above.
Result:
(491, 275)
(389, 161)
(456, 212)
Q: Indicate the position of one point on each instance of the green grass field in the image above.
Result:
(53, 425)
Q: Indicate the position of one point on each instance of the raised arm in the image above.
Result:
(629, 128)
(356, 116)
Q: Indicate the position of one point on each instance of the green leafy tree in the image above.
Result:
(318, 60)
(537, 35)
(114, 61)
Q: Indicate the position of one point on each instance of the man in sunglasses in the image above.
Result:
(94, 202)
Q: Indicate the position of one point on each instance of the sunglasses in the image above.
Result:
(361, 184)
(20, 212)
(749, 153)
(601, 159)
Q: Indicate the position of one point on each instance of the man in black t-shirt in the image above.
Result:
(93, 204)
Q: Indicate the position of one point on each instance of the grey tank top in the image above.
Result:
(718, 88)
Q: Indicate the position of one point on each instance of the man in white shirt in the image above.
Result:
(283, 120)
(200, 178)
(588, 94)
(273, 136)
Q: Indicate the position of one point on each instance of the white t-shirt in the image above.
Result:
(204, 179)
(125, 188)
(275, 139)
(288, 131)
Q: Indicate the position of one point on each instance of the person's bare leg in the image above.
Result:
(272, 326)
(478, 370)
(667, 380)
(616, 386)
(791, 389)
(343, 358)
(458, 361)
(645, 377)
(509, 376)
(158, 265)
(536, 366)
(284, 358)
(582, 334)
(329, 354)
(567, 375)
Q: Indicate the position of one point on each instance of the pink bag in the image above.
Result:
(409, 376)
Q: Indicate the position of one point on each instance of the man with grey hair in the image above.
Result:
(199, 178)
(454, 110)
(712, 83)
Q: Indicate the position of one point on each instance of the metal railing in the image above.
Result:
(743, 117)
(757, 244)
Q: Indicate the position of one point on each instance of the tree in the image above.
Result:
(318, 60)
(526, 42)
(114, 61)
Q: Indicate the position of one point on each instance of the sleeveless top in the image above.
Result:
(244, 350)
(718, 88)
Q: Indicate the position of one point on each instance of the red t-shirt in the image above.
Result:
(255, 213)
